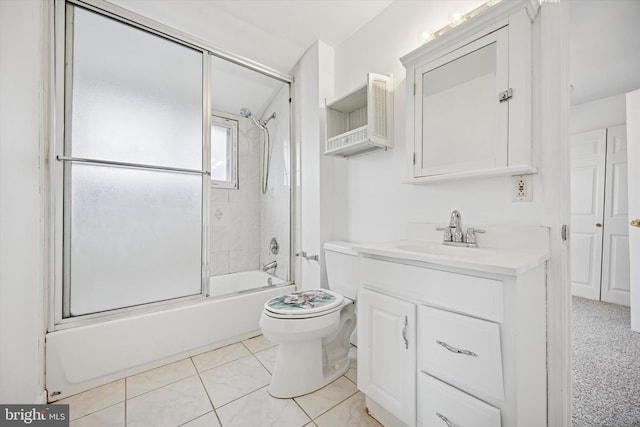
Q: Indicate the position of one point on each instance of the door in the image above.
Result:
(599, 215)
(615, 243)
(587, 153)
(387, 353)
(633, 158)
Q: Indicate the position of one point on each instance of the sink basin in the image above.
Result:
(434, 249)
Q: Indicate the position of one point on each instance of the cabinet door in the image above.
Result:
(460, 123)
(387, 353)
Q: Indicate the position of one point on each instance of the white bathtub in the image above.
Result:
(87, 356)
(240, 283)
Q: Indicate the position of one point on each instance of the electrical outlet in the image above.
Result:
(521, 188)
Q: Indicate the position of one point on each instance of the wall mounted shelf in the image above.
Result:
(362, 120)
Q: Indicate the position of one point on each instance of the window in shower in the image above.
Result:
(224, 152)
(134, 132)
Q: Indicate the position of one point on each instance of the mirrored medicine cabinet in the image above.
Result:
(469, 98)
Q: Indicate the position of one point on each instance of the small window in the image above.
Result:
(224, 152)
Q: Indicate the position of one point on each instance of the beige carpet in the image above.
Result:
(606, 366)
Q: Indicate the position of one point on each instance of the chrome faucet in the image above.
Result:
(453, 234)
(455, 227)
(269, 266)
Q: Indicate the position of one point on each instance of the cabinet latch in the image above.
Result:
(505, 95)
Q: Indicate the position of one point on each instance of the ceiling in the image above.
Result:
(604, 48)
(275, 33)
(604, 34)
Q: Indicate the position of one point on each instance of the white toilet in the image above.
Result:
(312, 327)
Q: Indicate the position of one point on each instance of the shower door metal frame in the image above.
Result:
(60, 296)
(56, 172)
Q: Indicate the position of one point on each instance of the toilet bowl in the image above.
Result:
(313, 328)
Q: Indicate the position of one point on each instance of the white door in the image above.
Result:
(587, 151)
(633, 158)
(615, 242)
(387, 353)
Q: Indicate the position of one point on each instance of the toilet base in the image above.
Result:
(304, 367)
(299, 370)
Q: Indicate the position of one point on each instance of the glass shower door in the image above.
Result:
(133, 166)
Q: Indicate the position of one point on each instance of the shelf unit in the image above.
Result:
(362, 120)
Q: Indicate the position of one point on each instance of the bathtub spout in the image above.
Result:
(269, 266)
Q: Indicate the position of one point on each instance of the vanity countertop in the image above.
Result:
(507, 250)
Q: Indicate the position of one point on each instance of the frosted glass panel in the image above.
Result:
(135, 237)
(136, 97)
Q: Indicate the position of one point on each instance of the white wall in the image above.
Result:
(379, 205)
(22, 251)
(598, 114)
(321, 207)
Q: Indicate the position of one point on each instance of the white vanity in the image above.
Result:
(454, 335)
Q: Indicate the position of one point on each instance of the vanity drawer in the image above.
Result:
(476, 296)
(462, 351)
(441, 404)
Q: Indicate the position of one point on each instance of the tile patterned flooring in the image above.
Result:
(225, 387)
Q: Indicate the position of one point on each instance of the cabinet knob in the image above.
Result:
(635, 222)
(598, 225)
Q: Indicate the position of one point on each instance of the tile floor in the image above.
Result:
(224, 387)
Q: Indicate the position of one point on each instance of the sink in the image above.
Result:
(435, 249)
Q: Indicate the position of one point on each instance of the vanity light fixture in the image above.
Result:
(455, 19)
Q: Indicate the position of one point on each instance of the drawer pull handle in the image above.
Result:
(457, 350)
(404, 332)
(444, 419)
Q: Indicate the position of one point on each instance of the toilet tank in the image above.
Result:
(342, 268)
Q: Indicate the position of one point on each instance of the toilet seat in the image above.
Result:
(304, 304)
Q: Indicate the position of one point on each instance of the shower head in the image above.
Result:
(245, 112)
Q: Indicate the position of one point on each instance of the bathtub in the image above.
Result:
(83, 357)
(243, 282)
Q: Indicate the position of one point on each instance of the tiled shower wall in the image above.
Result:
(275, 211)
(235, 214)
(243, 220)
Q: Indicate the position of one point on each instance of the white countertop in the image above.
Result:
(508, 250)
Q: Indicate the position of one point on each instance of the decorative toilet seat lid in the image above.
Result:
(304, 303)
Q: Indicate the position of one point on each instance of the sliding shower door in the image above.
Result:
(133, 160)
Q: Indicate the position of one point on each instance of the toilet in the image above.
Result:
(313, 327)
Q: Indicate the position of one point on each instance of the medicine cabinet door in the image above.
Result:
(460, 123)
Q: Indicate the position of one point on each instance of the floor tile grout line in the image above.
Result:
(222, 364)
(162, 386)
(338, 403)
(206, 391)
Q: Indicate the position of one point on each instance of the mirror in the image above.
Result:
(462, 123)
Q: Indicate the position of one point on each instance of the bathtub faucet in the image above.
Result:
(269, 266)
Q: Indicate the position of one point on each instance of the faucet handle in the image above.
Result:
(471, 234)
(447, 236)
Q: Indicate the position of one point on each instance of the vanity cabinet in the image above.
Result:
(474, 353)
(469, 98)
(362, 120)
(389, 336)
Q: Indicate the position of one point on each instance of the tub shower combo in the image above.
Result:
(171, 216)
